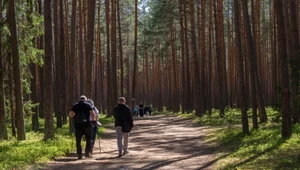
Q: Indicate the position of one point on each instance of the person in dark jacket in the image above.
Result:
(81, 112)
(141, 109)
(123, 124)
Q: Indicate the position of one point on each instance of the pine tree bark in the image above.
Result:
(243, 99)
(56, 102)
(219, 59)
(41, 71)
(188, 99)
(114, 94)
(3, 129)
(72, 56)
(62, 114)
(108, 60)
(49, 127)
(195, 57)
(72, 65)
(283, 60)
(135, 57)
(295, 63)
(203, 59)
(90, 47)
(182, 56)
(120, 50)
(17, 71)
(253, 66)
(81, 53)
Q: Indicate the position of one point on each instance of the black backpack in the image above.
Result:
(80, 118)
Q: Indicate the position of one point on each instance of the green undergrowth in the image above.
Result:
(262, 149)
(34, 150)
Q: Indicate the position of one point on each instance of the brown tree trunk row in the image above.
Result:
(209, 58)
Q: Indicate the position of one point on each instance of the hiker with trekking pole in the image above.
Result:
(83, 114)
(95, 123)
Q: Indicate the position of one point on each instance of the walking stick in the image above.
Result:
(99, 145)
(99, 124)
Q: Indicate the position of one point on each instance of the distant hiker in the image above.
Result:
(136, 110)
(81, 112)
(123, 124)
(148, 110)
(95, 123)
(141, 109)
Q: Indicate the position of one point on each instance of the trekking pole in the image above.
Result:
(99, 145)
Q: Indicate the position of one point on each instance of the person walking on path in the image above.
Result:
(123, 124)
(95, 124)
(81, 112)
(141, 109)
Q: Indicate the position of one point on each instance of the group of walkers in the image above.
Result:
(140, 110)
(86, 122)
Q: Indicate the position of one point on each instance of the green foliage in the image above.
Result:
(263, 149)
(232, 117)
(29, 26)
(22, 154)
(28, 106)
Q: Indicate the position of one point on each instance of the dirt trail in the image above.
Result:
(158, 142)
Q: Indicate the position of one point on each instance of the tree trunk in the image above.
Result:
(282, 54)
(203, 60)
(183, 70)
(209, 70)
(243, 98)
(114, 94)
(62, 71)
(41, 70)
(295, 64)
(120, 50)
(135, 57)
(219, 59)
(81, 53)
(56, 71)
(72, 56)
(49, 127)
(3, 129)
(195, 57)
(90, 47)
(17, 71)
(253, 66)
(189, 101)
(108, 60)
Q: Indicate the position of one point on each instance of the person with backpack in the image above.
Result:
(123, 125)
(81, 112)
(95, 124)
(141, 109)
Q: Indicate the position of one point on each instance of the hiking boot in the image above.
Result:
(88, 155)
(125, 152)
(79, 156)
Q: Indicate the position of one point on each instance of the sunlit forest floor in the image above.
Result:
(165, 141)
(157, 142)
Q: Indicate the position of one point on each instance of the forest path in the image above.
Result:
(157, 142)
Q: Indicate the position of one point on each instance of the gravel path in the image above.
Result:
(158, 142)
